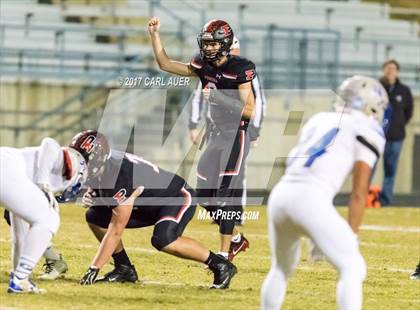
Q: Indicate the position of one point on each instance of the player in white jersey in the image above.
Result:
(29, 178)
(331, 146)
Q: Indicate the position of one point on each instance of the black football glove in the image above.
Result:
(90, 276)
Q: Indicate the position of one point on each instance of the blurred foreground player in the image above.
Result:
(332, 145)
(29, 178)
(116, 180)
(227, 86)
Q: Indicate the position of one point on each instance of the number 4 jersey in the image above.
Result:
(330, 144)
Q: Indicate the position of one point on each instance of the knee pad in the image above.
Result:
(159, 242)
(90, 216)
(164, 234)
(226, 226)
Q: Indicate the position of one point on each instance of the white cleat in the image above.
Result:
(23, 286)
(54, 269)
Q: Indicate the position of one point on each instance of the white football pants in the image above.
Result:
(297, 209)
(33, 222)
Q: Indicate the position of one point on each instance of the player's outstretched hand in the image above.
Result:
(130, 200)
(153, 25)
(52, 202)
(90, 276)
(87, 199)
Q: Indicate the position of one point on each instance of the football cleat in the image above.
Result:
(121, 273)
(17, 286)
(236, 247)
(223, 274)
(54, 269)
(416, 274)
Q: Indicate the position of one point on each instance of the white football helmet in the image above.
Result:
(76, 167)
(363, 94)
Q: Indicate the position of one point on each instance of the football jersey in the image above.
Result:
(124, 172)
(226, 78)
(329, 146)
(43, 164)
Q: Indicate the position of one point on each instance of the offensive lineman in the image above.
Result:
(38, 173)
(227, 85)
(116, 180)
(331, 146)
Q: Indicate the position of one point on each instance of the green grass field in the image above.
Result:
(390, 243)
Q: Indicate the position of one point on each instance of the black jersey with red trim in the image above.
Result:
(124, 172)
(226, 78)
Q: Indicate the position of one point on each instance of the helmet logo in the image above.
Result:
(226, 30)
(88, 144)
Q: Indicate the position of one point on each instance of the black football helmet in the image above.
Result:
(94, 148)
(219, 31)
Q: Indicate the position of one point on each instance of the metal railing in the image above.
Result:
(91, 64)
(306, 58)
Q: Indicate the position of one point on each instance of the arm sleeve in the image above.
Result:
(408, 112)
(254, 132)
(50, 160)
(196, 107)
(260, 104)
(369, 146)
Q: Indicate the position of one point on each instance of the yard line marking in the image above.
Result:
(391, 228)
(399, 270)
(161, 283)
(132, 249)
(407, 229)
(383, 245)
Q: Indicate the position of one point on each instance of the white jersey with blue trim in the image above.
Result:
(330, 144)
(43, 164)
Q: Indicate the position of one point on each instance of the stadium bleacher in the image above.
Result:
(367, 34)
(91, 43)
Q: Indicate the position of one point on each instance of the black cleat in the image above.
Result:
(416, 274)
(223, 274)
(121, 273)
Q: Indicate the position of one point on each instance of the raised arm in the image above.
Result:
(164, 62)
